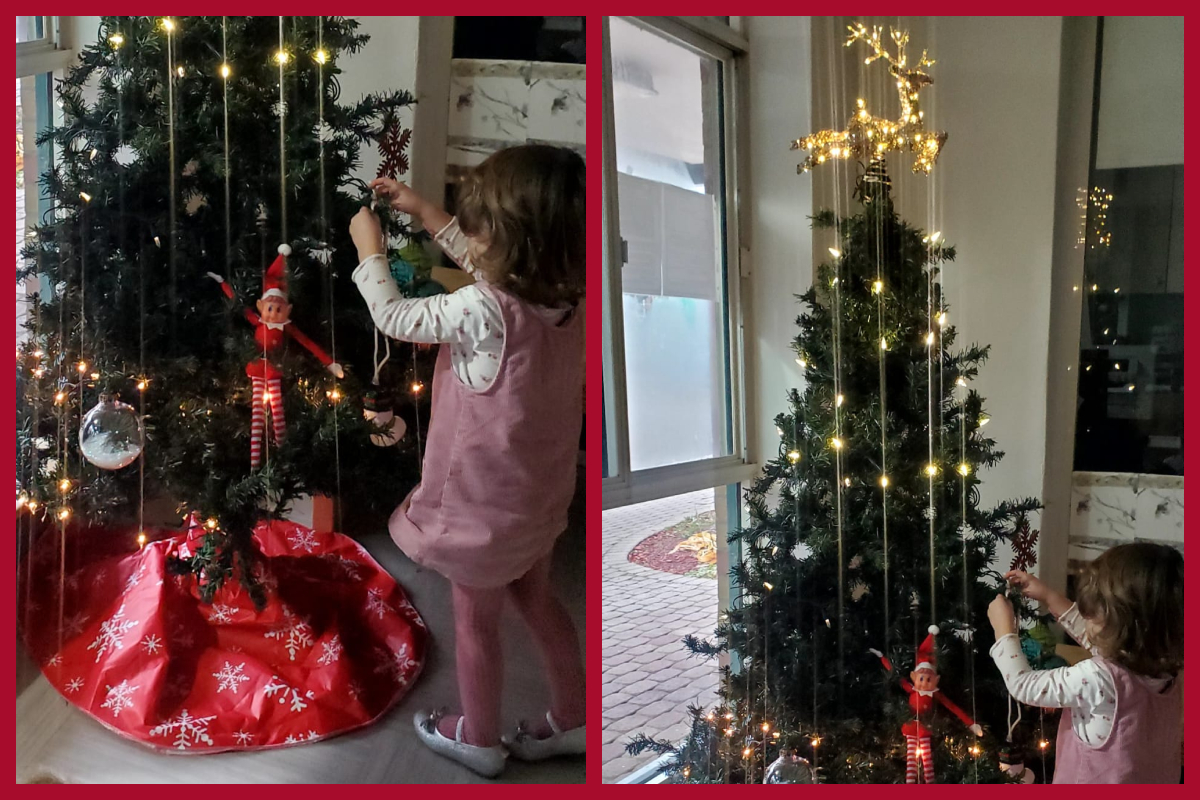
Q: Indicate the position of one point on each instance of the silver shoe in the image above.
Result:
(527, 747)
(485, 761)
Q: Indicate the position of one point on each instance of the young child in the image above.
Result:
(1122, 718)
(500, 457)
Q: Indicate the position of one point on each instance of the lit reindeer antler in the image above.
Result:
(867, 137)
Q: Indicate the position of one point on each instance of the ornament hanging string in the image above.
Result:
(172, 301)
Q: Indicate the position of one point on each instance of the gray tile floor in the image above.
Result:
(54, 737)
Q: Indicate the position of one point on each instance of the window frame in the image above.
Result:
(52, 53)
(627, 486)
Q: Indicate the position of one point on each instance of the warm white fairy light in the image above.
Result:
(883, 481)
(984, 420)
(211, 523)
(334, 395)
(33, 505)
(877, 287)
(281, 57)
(846, 481)
(803, 364)
(142, 384)
(941, 320)
(321, 56)
(85, 197)
(835, 443)
(768, 586)
(116, 40)
(929, 338)
(840, 400)
(793, 456)
(59, 397)
(883, 344)
(964, 469)
(931, 470)
(417, 387)
(179, 71)
(226, 71)
(64, 485)
(64, 513)
(82, 367)
(833, 251)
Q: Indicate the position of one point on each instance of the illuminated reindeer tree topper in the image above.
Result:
(867, 137)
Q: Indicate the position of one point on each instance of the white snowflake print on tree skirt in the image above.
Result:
(73, 685)
(188, 730)
(354, 689)
(304, 540)
(230, 676)
(375, 603)
(55, 661)
(119, 697)
(244, 737)
(151, 644)
(411, 614)
(294, 632)
(265, 578)
(132, 581)
(112, 633)
(395, 664)
(348, 567)
(331, 651)
(221, 614)
(75, 624)
(286, 693)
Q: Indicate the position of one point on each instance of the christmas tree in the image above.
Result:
(189, 146)
(865, 530)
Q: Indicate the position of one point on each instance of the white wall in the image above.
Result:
(780, 239)
(996, 85)
(1141, 93)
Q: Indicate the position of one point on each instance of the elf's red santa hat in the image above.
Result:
(275, 278)
(927, 652)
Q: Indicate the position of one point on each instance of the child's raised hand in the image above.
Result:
(1000, 614)
(1029, 586)
(399, 195)
(366, 233)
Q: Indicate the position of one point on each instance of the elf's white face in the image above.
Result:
(925, 680)
(274, 309)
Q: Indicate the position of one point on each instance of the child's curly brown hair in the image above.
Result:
(530, 201)
(1134, 593)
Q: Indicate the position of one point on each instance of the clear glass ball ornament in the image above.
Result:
(790, 768)
(111, 435)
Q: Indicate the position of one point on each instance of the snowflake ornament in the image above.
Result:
(112, 634)
(188, 730)
(230, 676)
(119, 697)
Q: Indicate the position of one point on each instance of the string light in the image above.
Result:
(22, 499)
(1095, 287)
(883, 481)
(281, 57)
(179, 71)
(793, 456)
(168, 24)
(321, 56)
(816, 740)
(82, 367)
(334, 395)
(417, 387)
(931, 470)
(984, 420)
(964, 469)
(33, 505)
(211, 523)
(95, 376)
(840, 400)
(768, 587)
(60, 397)
(746, 753)
(803, 364)
(39, 372)
(1043, 744)
(942, 319)
(833, 251)
(64, 513)
(929, 338)
(141, 539)
(766, 727)
(225, 71)
(877, 287)
(116, 40)
(961, 381)
(846, 481)
(883, 344)
(975, 750)
(1074, 288)
(142, 384)
(64, 485)
(836, 443)
(85, 197)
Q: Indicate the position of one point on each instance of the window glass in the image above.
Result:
(671, 189)
(30, 29)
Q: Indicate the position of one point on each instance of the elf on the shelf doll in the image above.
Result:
(923, 695)
(271, 324)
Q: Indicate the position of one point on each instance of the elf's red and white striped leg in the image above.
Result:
(910, 773)
(278, 425)
(258, 421)
(926, 751)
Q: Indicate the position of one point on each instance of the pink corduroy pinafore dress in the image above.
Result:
(499, 469)
(1144, 745)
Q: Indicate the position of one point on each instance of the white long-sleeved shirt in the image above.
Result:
(468, 321)
(1087, 688)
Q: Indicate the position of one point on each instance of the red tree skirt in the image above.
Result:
(337, 645)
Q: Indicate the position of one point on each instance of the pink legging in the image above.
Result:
(478, 652)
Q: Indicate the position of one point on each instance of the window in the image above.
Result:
(672, 393)
(1130, 411)
(31, 29)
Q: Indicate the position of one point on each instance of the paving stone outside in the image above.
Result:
(649, 678)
